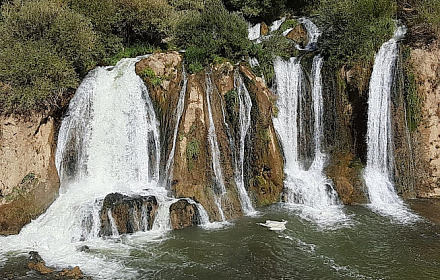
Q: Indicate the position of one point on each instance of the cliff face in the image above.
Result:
(193, 173)
(345, 94)
(28, 179)
(426, 65)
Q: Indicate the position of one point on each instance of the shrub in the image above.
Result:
(266, 9)
(34, 76)
(192, 152)
(355, 29)
(213, 31)
(70, 34)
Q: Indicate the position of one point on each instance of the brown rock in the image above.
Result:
(183, 214)
(264, 30)
(347, 178)
(40, 267)
(28, 177)
(299, 35)
(266, 161)
(426, 64)
(128, 213)
(74, 273)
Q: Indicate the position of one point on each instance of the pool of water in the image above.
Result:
(370, 246)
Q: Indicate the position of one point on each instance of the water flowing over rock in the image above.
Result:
(184, 214)
(129, 214)
(306, 186)
(380, 160)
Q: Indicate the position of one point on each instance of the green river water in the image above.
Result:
(370, 246)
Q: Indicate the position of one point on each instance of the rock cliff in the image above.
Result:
(28, 178)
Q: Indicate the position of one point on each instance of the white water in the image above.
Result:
(178, 115)
(215, 152)
(254, 32)
(378, 172)
(313, 34)
(276, 24)
(108, 142)
(306, 189)
(245, 106)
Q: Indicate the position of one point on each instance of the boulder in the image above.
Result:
(184, 214)
(130, 214)
(264, 30)
(299, 35)
(38, 264)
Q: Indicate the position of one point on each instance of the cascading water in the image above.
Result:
(308, 188)
(178, 115)
(220, 189)
(108, 142)
(378, 172)
(245, 106)
(313, 34)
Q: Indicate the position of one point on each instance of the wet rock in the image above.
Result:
(37, 263)
(264, 30)
(184, 214)
(130, 214)
(84, 248)
(74, 273)
(299, 35)
(29, 180)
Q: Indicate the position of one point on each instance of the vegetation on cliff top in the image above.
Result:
(48, 46)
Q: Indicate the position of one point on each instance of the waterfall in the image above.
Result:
(177, 115)
(220, 188)
(313, 34)
(307, 188)
(254, 31)
(245, 106)
(378, 172)
(276, 24)
(108, 142)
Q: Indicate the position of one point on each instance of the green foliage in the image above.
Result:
(33, 76)
(187, 4)
(28, 178)
(232, 107)
(290, 23)
(265, 9)
(276, 45)
(413, 103)
(147, 73)
(131, 51)
(355, 29)
(195, 67)
(192, 152)
(131, 20)
(213, 31)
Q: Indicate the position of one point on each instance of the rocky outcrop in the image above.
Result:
(29, 181)
(127, 214)
(183, 214)
(299, 35)
(265, 163)
(193, 175)
(38, 264)
(345, 94)
(264, 30)
(426, 140)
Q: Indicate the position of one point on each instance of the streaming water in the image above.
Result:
(220, 188)
(309, 188)
(245, 106)
(378, 172)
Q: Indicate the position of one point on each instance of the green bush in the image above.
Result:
(131, 51)
(45, 47)
(213, 31)
(33, 76)
(265, 9)
(355, 29)
(276, 45)
(131, 20)
(192, 153)
(290, 23)
(232, 107)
